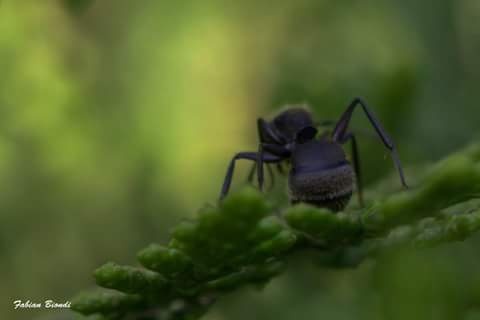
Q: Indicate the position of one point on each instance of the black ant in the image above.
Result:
(320, 173)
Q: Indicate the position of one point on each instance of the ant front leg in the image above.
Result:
(266, 135)
(251, 174)
(252, 156)
(259, 165)
(280, 169)
(273, 149)
(356, 165)
(272, 177)
(340, 133)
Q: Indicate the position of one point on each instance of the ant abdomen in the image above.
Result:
(328, 188)
(321, 175)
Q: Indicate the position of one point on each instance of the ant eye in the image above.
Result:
(306, 134)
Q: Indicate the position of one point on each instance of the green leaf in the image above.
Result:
(169, 262)
(106, 302)
(130, 279)
(324, 225)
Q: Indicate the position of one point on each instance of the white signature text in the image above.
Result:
(47, 304)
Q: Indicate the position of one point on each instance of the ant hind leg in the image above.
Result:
(340, 133)
(356, 165)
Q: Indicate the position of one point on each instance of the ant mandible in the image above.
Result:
(320, 173)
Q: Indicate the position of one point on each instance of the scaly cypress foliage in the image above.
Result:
(244, 241)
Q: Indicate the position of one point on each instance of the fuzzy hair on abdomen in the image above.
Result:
(330, 188)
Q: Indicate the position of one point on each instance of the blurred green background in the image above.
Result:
(118, 118)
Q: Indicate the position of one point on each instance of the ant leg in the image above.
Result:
(273, 149)
(267, 158)
(340, 132)
(266, 135)
(270, 174)
(272, 177)
(260, 167)
(251, 173)
(356, 165)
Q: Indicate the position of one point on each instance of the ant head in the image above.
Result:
(291, 121)
(305, 134)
